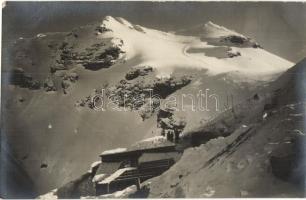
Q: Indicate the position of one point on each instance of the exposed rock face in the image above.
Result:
(66, 55)
(66, 79)
(98, 64)
(134, 73)
(103, 60)
(49, 85)
(171, 126)
(72, 76)
(165, 87)
(140, 93)
(57, 66)
(146, 93)
(101, 29)
(235, 40)
(65, 85)
(21, 79)
(233, 54)
(94, 57)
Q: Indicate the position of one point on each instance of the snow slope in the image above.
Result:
(211, 30)
(240, 164)
(167, 51)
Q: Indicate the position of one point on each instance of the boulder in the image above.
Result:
(72, 76)
(34, 85)
(57, 66)
(65, 84)
(49, 85)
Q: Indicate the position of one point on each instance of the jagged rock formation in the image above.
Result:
(137, 92)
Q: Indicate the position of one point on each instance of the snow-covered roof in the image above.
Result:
(93, 165)
(147, 157)
(98, 178)
(116, 175)
(113, 151)
(155, 139)
(153, 142)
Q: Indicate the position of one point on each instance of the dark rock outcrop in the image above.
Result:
(233, 54)
(23, 80)
(102, 29)
(171, 126)
(57, 66)
(235, 40)
(134, 73)
(49, 85)
(140, 94)
(103, 60)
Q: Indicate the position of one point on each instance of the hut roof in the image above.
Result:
(114, 151)
(148, 157)
(151, 143)
(115, 175)
(108, 168)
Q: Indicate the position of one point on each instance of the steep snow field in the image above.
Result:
(166, 51)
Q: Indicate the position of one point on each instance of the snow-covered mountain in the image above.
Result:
(166, 51)
(49, 119)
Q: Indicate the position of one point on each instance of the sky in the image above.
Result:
(278, 26)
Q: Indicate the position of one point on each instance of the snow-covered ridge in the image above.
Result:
(167, 52)
(113, 22)
(211, 30)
